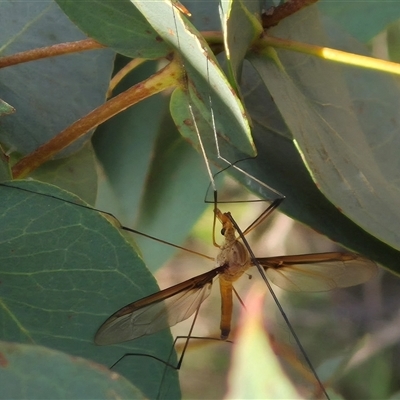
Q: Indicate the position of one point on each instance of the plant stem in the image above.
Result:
(49, 51)
(166, 78)
(330, 54)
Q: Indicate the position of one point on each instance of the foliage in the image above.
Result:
(326, 135)
(41, 372)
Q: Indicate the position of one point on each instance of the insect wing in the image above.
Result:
(318, 272)
(156, 312)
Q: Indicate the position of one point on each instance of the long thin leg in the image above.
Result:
(282, 312)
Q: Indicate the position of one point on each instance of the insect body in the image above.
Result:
(177, 303)
(305, 272)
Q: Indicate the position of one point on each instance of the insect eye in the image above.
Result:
(223, 230)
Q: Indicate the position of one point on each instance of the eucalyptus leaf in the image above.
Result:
(334, 140)
(42, 373)
(127, 31)
(64, 269)
(48, 94)
(363, 20)
(157, 181)
(241, 26)
(207, 84)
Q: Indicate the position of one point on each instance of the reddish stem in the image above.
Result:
(49, 51)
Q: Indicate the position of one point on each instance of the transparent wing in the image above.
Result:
(318, 272)
(157, 311)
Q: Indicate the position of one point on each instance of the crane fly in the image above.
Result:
(298, 273)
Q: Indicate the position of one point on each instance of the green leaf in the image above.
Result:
(205, 15)
(393, 41)
(49, 94)
(116, 24)
(241, 26)
(64, 270)
(5, 108)
(46, 373)
(337, 154)
(363, 20)
(157, 180)
(334, 141)
(5, 171)
(207, 83)
(76, 173)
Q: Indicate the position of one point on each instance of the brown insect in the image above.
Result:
(298, 273)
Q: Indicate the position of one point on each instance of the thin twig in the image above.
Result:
(49, 51)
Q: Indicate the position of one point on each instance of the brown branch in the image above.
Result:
(166, 78)
(274, 15)
(50, 51)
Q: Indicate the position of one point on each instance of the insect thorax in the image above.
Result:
(235, 257)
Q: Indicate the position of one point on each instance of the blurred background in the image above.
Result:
(350, 335)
